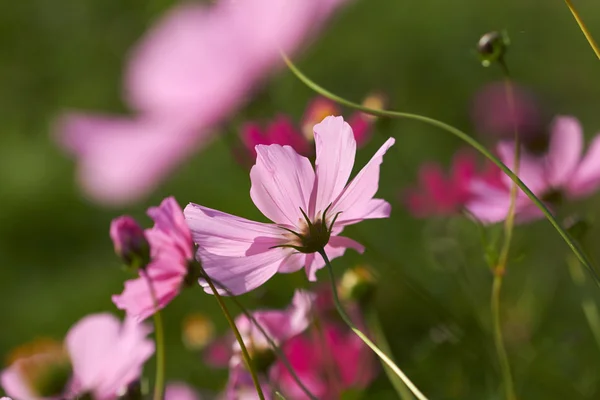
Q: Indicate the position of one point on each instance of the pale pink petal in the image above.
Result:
(106, 354)
(227, 235)
(14, 383)
(335, 248)
(355, 202)
(293, 263)
(180, 391)
(586, 178)
(282, 181)
(122, 159)
(335, 151)
(564, 152)
(240, 274)
(532, 169)
(170, 229)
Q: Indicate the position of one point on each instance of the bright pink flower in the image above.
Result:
(281, 131)
(171, 250)
(441, 195)
(191, 71)
(563, 172)
(180, 391)
(107, 355)
(243, 254)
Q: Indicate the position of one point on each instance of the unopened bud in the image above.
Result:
(358, 284)
(492, 47)
(130, 242)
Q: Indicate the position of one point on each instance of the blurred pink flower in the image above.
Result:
(492, 114)
(129, 241)
(243, 254)
(171, 250)
(191, 71)
(441, 195)
(280, 131)
(107, 355)
(180, 391)
(241, 387)
(562, 173)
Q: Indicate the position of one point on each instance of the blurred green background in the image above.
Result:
(57, 262)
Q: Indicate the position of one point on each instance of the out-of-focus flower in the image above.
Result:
(441, 195)
(130, 242)
(198, 331)
(357, 284)
(192, 70)
(171, 250)
(309, 209)
(101, 356)
(180, 391)
(492, 114)
(317, 110)
(281, 131)
(562, 173)
(241, 387)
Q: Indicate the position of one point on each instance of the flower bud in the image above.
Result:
(492, 47)
(198, 331)
(358, 284)
(130, 242)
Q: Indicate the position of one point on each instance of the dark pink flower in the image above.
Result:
(280, 131)
(130, 241)
(315, 205)
(171, 250)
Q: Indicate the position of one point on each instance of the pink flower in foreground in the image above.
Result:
(441, 195)
(562, 173)
(190, 72)
(101, 356)
(171, 250)
(309, 209)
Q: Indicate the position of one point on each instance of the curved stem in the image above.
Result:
(159, 336)
(238, 336)
(467, 139)
(364, 337)
(498, 339)
(273, 345)
(583, 28)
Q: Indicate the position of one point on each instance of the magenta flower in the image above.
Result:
(171, 250)
(101, 356)
(440, 195)
(309, 209)
(190, 72)
(281, 131)
(562, 173)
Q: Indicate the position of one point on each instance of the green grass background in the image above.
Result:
(56, 259)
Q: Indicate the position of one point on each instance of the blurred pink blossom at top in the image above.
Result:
(190, 72)
(243, 254)
(564, 172)
(441, 194)
(171, 249)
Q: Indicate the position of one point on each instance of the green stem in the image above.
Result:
(583, 28)
(467, 139)
(509, 389)
(364, 337)
(375, 328)
(238, 336)
(159, 336)
(273, 345)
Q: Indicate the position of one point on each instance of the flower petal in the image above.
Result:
(15, 383)
(336, 148)
(227, 235)
(282, 181)
(531, 169)
(564, 152)
(355, 202)
(586, 178)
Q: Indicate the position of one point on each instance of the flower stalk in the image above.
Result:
(584, 29)
(159, 383)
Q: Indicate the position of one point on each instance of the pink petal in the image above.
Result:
(564, 152)
(361, 127)
(531, 169)
(336, 148)
(170, 230)
(355, 202)
(240, 274)
(335, 248)
(586, 178)
(180, 391)
(121, 159)
(106, 354)
(282, 181)
(227, 235)
(15, 385)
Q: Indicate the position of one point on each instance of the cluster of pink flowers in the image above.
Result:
(326, 357)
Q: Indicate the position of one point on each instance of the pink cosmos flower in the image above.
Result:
(309, 209)
(101, 357)
(180, 391)
(171, 250)
(440, 195)
(562, 173)
(280, 131)
(191, 71)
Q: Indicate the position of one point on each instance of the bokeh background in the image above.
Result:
(57, 262)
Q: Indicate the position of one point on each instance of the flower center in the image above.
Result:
(553, 196)
(313, 236)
